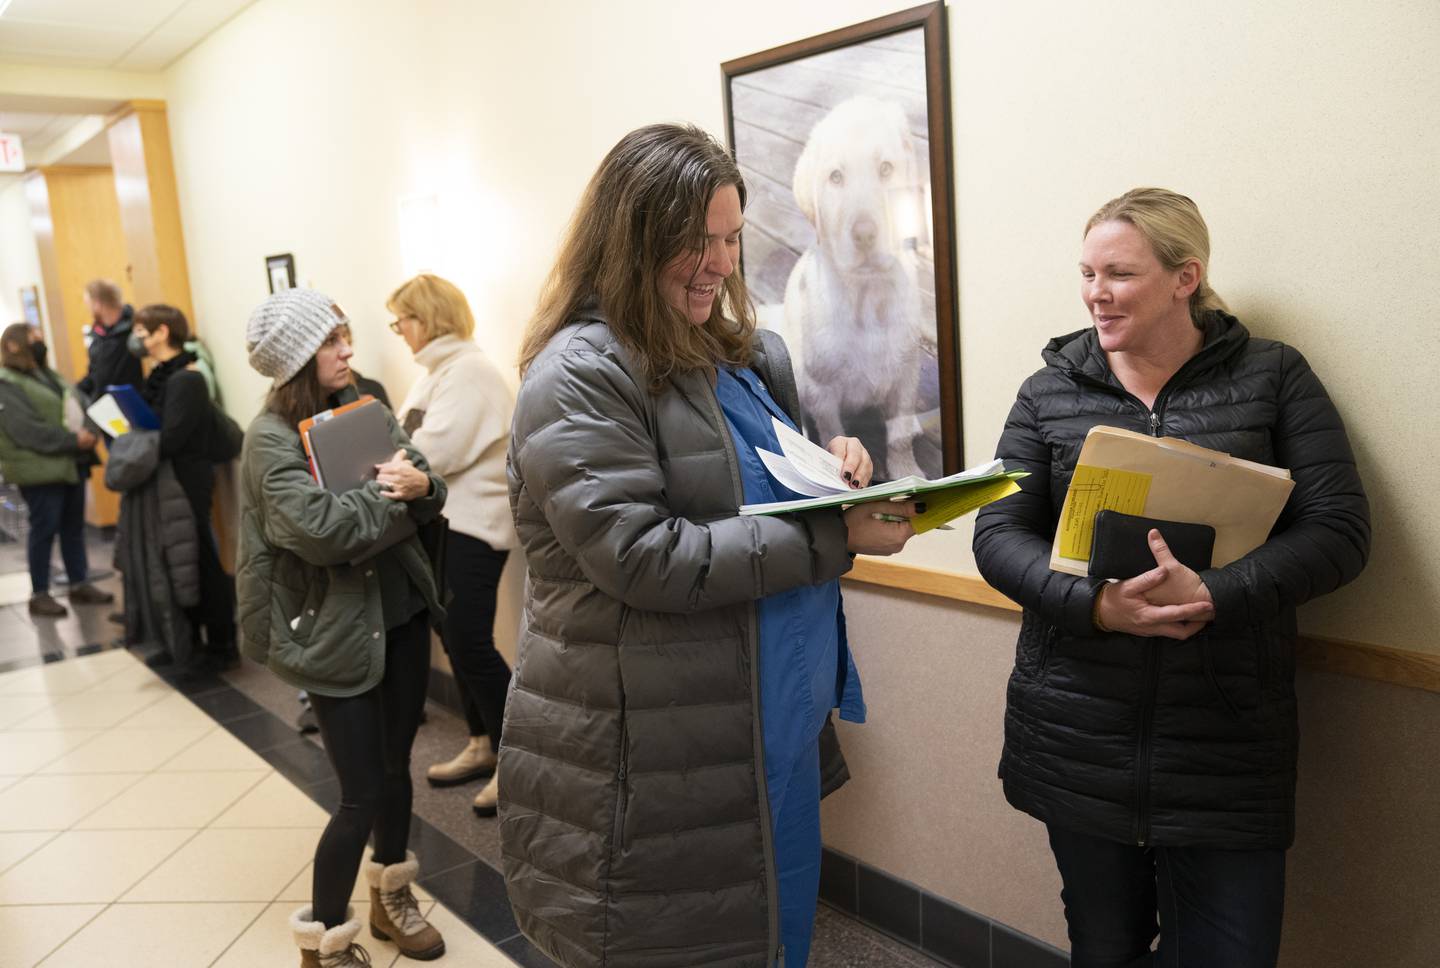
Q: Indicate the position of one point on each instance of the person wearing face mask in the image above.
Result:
(108, 341)
(1151, 723)
(668, 734)
(39, 452)
(350, 627)
(195, 435)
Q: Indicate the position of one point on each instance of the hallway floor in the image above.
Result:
(150, 821)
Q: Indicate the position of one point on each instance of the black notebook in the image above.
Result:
(344, 447)
(1122, 546)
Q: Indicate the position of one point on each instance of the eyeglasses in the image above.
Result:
(395, 324)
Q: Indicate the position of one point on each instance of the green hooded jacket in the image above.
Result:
(35, 447)
(305, 611)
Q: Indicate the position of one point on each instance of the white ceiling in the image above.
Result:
(128, 35)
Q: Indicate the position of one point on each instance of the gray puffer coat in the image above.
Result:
(635, 829)
(156, 547)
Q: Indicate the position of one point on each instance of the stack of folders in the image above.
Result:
(807, 469)
(1211, 508)
(121, 409)
(343, 446)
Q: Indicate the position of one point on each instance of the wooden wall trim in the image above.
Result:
(1417, 670)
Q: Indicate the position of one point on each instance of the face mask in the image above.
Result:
(136, 346)
(39, 351)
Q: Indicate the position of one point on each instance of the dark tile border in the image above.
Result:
(475, 891)
(935, 926)
(454, 875)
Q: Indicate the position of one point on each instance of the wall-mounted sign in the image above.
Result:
(12, 156)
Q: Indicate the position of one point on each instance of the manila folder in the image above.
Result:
(1240, 499)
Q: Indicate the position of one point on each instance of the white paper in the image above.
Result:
(107, 415)
(813, 462)
(784, 472)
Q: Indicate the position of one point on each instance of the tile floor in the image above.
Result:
(135, 830)
(146, 821)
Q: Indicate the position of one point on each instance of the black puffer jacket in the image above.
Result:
(111, 362)
(1152, 740)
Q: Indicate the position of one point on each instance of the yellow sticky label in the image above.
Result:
(946, 505)
(1095, 489)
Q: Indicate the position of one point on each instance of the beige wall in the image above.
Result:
(1306, 131)
(19, 259)
(925, 805)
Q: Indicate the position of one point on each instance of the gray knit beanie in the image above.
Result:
(286, 330)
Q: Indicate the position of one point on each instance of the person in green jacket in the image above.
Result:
(327, 613)
(38, 454)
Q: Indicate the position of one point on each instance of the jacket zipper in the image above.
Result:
(1142, 755)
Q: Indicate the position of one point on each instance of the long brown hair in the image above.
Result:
(645, 205)
(300, 397)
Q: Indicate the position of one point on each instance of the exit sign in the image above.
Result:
(12, 157)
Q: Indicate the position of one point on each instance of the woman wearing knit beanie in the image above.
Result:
(351, 627)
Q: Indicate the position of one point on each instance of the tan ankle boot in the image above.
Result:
(322, 947)
(487, 801)
(395, 914)
(471, 763)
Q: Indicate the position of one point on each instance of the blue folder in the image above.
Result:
(134, 407)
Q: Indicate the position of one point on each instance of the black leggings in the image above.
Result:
(472, 573)
(368, 739)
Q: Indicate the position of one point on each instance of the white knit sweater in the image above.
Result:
(458, 415)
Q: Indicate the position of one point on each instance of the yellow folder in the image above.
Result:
(1171, 479)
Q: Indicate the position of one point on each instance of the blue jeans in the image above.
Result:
(1214, 907)
(55, 509)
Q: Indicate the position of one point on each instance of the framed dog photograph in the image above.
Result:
(848, 250)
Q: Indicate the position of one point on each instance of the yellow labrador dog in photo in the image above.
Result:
(852, 306)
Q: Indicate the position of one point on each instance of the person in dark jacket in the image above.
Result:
(195, 435)
(661, 767)
(39, 454)
(111, 361)
(327, 612)
(1151, 723)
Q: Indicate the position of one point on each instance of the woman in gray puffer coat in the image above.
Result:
(1151, 723)
(649, 817)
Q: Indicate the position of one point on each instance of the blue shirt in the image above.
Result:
(805, 664)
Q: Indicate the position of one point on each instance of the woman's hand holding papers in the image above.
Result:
(873, 533)
(1169, 600)
(855, 465)
(401, 480)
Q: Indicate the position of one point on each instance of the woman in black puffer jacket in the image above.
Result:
(1158, 742)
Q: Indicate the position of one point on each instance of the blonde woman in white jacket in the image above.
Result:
(458, 416)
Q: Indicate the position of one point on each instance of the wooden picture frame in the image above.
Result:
(849, 245)
(280, 271)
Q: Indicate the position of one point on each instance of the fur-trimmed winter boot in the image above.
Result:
(395, 914)
(322, 947)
